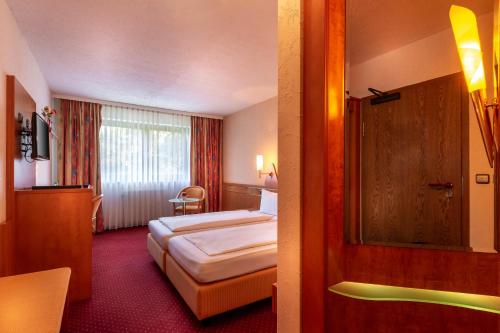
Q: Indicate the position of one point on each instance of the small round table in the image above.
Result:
(183, 202)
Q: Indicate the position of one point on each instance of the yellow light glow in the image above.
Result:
(464, 24)
(378, 292)
(259, 161)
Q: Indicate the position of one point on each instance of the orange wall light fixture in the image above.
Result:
(466, 32)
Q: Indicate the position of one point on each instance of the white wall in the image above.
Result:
(17, 59)
(247, 133)
(429, 58)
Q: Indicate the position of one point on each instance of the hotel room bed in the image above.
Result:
(219, 261)
(163, 229)
(235, 252)
(219, 270)
(209, 299)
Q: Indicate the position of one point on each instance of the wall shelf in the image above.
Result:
(377, 292)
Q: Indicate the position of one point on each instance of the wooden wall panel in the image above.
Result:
(362, 316)
(6, 233)
(327, 259)
(19, 173)
(335, 60)
(241, 196)
(314, 176)
(323, 157)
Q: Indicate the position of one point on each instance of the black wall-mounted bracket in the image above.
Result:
(383, 97)
(26, 139)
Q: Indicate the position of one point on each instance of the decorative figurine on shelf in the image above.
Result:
(48, 113)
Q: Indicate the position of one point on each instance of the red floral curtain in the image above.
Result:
(78, 153)
(206, 159)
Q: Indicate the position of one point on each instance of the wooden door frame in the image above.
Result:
(322, 157)
(326, 258)
(10, 133)
(352, 228)
(465, 168)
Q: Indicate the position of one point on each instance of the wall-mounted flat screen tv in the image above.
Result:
(40, 138)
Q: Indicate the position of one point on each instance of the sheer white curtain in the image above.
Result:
(144, 162)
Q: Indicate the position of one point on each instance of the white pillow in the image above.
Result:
(269, 202)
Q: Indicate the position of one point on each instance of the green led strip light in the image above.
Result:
(377, 292)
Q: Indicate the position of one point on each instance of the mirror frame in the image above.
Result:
(326, 256)
(489, 127)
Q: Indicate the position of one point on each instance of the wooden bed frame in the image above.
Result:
(209, 299)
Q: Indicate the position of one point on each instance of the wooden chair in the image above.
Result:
(96, 202)
(196, 192)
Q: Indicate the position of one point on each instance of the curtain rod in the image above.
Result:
(134, 106)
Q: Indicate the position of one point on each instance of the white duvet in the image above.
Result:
(213, 220)
(221, 241)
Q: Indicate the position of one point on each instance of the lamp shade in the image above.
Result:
(259, 162)
(464, 24)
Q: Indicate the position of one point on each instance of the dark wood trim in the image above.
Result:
(322, 158)
(465, 168)
(313, 171)
(8, 232)
(419, 246)
(335, 166)
(9, 159)
(496, 227)
(353, 170)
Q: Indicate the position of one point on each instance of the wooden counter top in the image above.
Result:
(33, 302)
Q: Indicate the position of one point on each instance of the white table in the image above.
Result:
(183, 202)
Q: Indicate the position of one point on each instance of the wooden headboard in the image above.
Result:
(242, 196)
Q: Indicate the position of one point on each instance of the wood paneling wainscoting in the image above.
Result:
(242, 196)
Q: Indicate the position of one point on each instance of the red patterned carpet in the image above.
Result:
(131, 294)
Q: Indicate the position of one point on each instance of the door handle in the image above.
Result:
(441, 186)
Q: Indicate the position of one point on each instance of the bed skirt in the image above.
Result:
(209, 299)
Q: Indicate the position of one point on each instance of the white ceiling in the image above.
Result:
(375, 27)
(213, 57)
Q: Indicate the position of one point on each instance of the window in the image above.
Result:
(144, 162)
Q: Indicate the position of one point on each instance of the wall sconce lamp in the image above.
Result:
(465, 30)
(259, 162)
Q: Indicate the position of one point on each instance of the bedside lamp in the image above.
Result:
(465, 30)
(259, 162)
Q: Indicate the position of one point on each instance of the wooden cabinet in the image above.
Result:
(53, 228)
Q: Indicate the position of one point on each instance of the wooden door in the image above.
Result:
(411, 148)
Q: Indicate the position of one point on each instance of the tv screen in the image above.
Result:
(40, 138)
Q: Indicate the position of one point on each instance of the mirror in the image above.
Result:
(419, 169)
